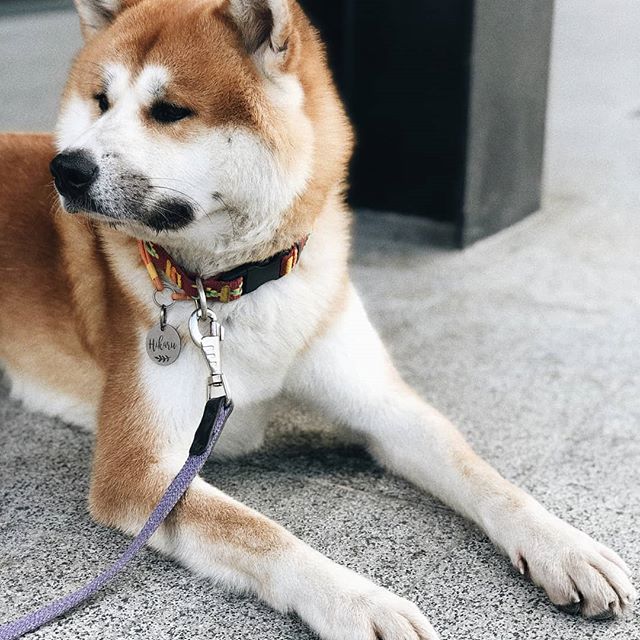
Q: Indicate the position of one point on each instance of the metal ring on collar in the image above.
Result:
(202, 298)
(164, 298)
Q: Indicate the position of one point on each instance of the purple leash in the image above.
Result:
(216, 414)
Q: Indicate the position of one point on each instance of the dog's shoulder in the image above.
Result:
(24, 160)
(26, 189)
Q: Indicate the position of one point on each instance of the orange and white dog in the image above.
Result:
(213, 128)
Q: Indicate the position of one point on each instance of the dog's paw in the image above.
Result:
(381, 615)
(578, 574)
(342, 605)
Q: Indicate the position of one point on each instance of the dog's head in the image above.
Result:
(197, 116)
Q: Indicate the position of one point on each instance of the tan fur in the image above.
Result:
(45, 334)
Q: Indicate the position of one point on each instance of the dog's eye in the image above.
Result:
(165, 112)
(103, 102)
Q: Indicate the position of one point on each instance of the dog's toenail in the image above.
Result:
(572, 608)
(604, 615)
(521, 564)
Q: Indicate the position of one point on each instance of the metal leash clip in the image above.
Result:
(210, 344)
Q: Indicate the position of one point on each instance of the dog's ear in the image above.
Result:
(95, 15)
(267, 31)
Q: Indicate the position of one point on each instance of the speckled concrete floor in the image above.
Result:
(530, 341)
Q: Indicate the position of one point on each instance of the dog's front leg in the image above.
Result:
(349, 375)
(136, 458)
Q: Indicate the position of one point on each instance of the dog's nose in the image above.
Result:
(73, 173)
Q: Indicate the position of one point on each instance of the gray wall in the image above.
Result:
(510, 69)
(35, 52)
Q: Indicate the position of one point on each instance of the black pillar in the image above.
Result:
(449, 101)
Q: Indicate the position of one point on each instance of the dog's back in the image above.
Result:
(35, 290)
(26, 197)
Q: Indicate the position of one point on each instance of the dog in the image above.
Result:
(211, 131)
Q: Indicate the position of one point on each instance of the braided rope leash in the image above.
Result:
(216, 413)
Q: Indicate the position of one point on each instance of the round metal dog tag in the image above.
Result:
(163, 344)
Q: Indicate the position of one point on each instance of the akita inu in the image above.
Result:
(211, 132)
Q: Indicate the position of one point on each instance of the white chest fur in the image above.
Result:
(264, 334)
